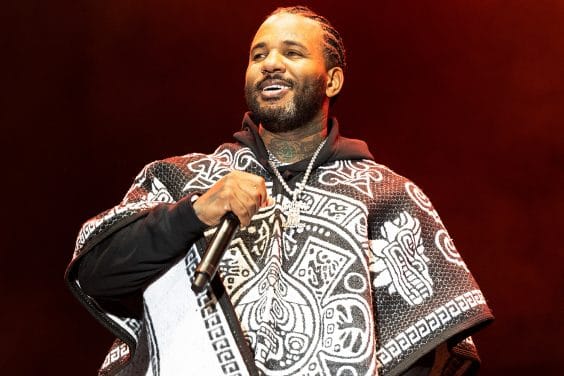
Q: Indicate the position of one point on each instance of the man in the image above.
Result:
(340, 267)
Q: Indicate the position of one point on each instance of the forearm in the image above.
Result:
(128, 260)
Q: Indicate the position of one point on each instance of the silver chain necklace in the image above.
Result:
(292, 209)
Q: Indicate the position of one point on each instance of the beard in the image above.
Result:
(305, 105)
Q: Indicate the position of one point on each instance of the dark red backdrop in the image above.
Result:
(466, 98)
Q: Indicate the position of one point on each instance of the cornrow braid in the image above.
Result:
(333, 49)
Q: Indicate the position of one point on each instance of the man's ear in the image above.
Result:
(335, 81)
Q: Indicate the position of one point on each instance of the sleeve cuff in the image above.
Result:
(185, 219)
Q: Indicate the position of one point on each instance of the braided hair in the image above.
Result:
(333, 47)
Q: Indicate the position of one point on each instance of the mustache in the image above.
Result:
(275, 76)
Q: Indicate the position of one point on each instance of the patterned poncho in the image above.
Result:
(369, 284)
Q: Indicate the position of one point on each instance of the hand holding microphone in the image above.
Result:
(209, 263)
(231, 202)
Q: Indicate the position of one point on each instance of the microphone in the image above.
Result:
(209, 263)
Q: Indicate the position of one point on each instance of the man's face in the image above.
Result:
(285, 83)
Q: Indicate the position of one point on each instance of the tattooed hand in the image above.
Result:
(238, 192)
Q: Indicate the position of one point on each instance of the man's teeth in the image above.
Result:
(274, 87)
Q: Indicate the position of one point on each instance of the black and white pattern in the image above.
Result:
(446, 245)
(357, 175)
(302, 295)
(400, 262)
(421, 199)
(357, 290)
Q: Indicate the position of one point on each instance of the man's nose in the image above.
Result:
(273, 62)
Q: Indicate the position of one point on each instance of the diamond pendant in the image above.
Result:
(292, 211)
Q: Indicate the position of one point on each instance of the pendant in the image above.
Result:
(292, 211)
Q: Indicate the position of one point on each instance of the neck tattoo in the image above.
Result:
(293, 151)
(292, 210)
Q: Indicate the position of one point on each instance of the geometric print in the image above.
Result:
(305, 296)
(302, 296)
(117, 353)
(158, 192)
(359, 176)
(445, 244)
(433, 322)
(421, 199)
(207, 171)
(96, 224)
(399, 262)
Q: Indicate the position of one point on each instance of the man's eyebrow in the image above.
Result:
(258, 45)
(294, 43)
(286, 42)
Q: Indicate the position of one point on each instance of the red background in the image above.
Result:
(464, 97)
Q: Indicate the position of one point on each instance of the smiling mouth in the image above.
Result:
(274, 91)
